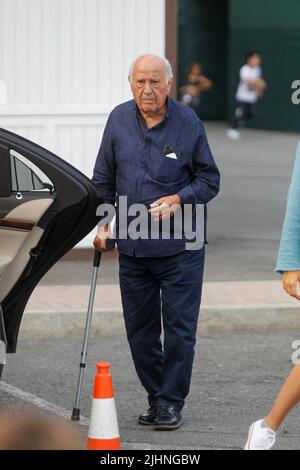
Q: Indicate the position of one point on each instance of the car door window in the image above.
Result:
(69, 215)
(27, 177)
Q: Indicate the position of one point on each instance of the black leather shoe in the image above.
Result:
(147, 418)
(167, 418)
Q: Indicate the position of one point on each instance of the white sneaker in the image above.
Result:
(260, 437)
(233, 134)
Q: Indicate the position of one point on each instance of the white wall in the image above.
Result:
(64, 64)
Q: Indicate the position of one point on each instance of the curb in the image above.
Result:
(212, 320)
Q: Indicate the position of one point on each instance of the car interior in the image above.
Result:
(19, 233)
(46, 207)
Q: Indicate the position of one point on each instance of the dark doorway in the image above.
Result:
(203, 38)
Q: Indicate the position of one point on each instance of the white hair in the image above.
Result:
(168, 66)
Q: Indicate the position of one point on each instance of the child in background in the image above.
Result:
(250, 89)
(190, 94)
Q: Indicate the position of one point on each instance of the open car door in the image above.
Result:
(46, 207)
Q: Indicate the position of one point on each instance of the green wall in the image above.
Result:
(261, 13)
(202, 37)
(218, 33)
(272, 27)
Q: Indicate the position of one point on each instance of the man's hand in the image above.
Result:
(290, 283)
(165, 207)
(103, 233)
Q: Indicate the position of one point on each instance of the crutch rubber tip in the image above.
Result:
(75, 415)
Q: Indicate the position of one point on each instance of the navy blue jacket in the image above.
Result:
(132, 162)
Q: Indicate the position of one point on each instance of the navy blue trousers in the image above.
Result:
(162, 293)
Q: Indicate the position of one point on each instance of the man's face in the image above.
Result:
(150, 85)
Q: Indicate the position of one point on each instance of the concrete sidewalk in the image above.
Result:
(226, 306)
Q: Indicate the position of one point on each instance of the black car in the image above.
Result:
(46, 207)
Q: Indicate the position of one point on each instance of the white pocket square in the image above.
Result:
(172, 155)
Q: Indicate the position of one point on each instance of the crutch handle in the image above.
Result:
(97, 259)
(109, 245)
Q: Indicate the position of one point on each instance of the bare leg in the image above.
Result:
(288, 397)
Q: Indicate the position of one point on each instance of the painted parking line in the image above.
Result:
(59, 411)
(63, 413)
(39, 402)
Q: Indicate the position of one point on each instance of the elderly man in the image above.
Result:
(154, 151)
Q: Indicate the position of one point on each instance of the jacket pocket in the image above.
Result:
(168, 170)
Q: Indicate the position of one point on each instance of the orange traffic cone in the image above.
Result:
(104, 430)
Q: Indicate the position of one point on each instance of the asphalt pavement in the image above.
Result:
(235, 379)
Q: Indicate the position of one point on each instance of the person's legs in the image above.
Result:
(243, 113)
(288, 397)
(240, 115)
(181, 286)
(142, 314)
(251, 111)
(262, 433)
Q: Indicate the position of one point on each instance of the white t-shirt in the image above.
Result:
(244, 93)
